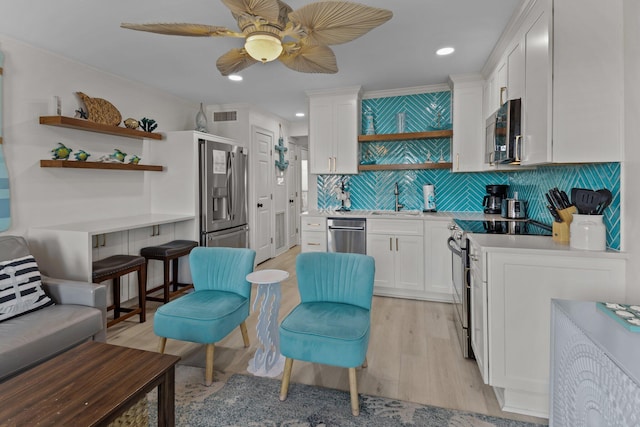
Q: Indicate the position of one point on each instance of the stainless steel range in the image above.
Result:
(459, 246)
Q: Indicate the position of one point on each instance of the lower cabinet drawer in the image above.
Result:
(314, 242)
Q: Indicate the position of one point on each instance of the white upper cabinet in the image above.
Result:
(334, 123)
(468, 123)
(573, 98)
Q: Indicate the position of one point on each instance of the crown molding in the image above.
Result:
(442, 87)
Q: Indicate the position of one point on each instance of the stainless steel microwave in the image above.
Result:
(503, 136)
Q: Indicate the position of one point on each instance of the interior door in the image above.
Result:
(293, 201)
(263, 243)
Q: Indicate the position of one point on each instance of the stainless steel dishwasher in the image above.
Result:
(347, 235)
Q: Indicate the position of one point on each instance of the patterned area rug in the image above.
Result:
(254, 401)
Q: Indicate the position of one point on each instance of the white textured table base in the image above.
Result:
(267, 362)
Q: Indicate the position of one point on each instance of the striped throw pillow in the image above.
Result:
(20, 288)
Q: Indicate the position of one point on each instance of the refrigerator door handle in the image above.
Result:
(229, 186)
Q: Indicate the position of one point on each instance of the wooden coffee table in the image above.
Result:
(89, 385)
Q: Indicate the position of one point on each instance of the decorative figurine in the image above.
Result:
(131, 123)
(80, 113)
(118, 155)
(441, 160)
(82, 156)
(370, 128)
(428, 157)
(100, 110)
(148, 125)
(281, 163)
(61, 152)
(134, 160)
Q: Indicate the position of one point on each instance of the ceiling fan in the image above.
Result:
(273, 30)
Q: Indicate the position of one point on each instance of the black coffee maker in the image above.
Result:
(492, 201)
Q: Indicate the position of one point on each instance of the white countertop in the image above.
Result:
(496, 243)
(119, 224)
(372, 214)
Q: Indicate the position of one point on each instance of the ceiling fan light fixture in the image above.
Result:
(263, 47)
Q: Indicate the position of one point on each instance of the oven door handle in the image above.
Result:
(453, 246)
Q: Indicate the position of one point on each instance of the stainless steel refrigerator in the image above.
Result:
(223, 195)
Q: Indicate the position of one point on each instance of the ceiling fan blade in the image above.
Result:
(183, 29)
(267, 9)
(233, 61)
(336, 22)
(309, 59)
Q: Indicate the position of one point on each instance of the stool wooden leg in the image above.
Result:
(286, 376)
(174, 268)
(353, 388)
(161, 344)
(142, 289)
(116, 297)
(208, 375)
(166, 280)
(245, 334)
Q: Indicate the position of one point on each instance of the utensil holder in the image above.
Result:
(561, 230)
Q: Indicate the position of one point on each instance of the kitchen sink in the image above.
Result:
(394, 213)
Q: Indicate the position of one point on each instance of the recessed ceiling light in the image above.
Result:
(299, 114)
(235, 77)
(445, 51)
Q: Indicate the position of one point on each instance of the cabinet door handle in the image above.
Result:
(390, 243)
(104, 240)
(503, 89)
(313, 244)
(329, 164)
(518, 148)
(396, 244)
(334, 163)
(95, 244)
(492, 158)
(457, 161)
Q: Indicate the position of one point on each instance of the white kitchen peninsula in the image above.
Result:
(68, 250)
(513, 280)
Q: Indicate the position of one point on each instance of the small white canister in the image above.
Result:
(588, 232)
(429, 193)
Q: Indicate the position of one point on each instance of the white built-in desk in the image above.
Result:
(67, 250)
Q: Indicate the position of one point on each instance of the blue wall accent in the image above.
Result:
(459, 192)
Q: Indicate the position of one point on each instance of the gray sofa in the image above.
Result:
(78, 315)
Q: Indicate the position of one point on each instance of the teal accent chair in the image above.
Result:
(219, 302)
(331, 325)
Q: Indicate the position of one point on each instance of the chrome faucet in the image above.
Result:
(397, 194)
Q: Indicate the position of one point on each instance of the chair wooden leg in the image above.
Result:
(161, 344)
(286, 376)
(353, 388)
(208, 374)
(365, 364)
(245, 334)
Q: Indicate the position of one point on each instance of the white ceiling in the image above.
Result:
(398, 54)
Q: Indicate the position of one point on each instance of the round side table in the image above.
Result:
(267, 362)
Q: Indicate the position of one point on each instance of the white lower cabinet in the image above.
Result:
(511, 294)
(398, 249)
(437, 261)
(314, 234)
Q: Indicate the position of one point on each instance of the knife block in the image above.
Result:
(560, 230)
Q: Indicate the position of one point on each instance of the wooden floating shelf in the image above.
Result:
(413, 166)
(73, 164)
(74, 123)
(406, 136)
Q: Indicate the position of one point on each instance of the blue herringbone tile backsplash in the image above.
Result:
(455, 191)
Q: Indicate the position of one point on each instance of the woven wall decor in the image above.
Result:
(100, 110)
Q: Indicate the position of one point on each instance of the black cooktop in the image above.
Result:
(526, 227)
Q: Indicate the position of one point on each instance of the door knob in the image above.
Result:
(290, 200)
(259, 205)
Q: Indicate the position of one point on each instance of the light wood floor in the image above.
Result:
(413, 352)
